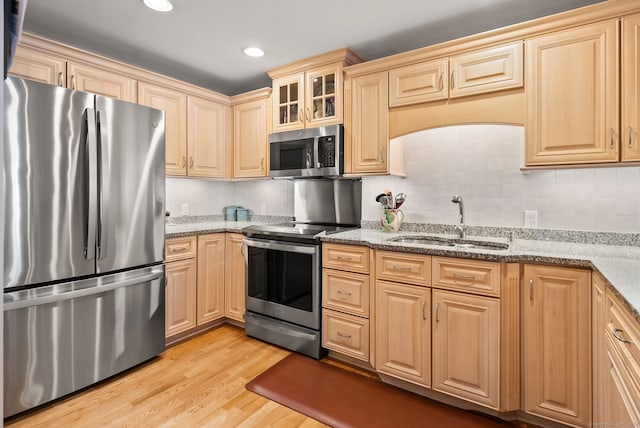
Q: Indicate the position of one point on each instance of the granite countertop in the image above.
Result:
(618, 264)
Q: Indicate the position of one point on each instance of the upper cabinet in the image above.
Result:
(572, 84)
(629, 134)
(308, 93)
(51, 69)
(477, 72)
(250, 130)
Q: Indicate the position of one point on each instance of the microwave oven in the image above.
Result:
(312, 152)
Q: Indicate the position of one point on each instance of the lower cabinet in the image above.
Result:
(205, 282)
(557, 343)
(403, 332)
(234, 278)
(466, 346)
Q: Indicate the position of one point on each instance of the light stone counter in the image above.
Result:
(618, 264)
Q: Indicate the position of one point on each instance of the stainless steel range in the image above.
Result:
(284, 262)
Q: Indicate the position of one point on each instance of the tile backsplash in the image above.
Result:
(479, 162)
(482, 164)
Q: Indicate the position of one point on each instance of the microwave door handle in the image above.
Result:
(309, 160)
(316, 152)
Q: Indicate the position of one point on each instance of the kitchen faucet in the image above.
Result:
(460, 228)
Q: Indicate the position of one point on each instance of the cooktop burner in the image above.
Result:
(294, 230)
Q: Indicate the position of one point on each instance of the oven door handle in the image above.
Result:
(279, 246)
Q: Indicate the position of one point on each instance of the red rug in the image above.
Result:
(340, 398)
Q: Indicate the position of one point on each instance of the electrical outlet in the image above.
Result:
(185, 208)
(531, 219)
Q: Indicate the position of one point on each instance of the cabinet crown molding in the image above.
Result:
(344, 55)
(256, 94)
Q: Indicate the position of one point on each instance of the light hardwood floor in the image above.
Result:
(197, 383)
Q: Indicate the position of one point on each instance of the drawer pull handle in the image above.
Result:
(616, 333)
(437, 312)
(344, 258)
(176, 249)
(531, 289)
(424, 306)
(401, 268)
(460, 276)
(630, 137)
(344, 293)
(613, 138)
(346, 336)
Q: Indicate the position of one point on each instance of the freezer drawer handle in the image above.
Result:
(10, 306)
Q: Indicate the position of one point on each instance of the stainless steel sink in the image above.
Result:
(450, 242)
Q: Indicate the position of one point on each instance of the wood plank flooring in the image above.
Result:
(197, 383)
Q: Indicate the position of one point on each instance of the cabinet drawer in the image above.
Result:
(403, 267)
(346, 292)
(346, 334)
(180, 248)
(472, 276)
(624, 333)
(353, 258)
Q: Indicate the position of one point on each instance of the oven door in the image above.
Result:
(283, 280)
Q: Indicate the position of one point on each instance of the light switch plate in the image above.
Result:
(185, 208)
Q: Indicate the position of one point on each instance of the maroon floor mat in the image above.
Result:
(340, 398)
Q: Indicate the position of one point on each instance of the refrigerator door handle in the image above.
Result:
(92, 185)
(54, 298)
(103, 184)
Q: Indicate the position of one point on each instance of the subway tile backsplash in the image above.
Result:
(482, 164)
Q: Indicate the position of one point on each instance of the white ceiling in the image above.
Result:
(201, 41)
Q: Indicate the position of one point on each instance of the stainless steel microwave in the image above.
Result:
(312, 152)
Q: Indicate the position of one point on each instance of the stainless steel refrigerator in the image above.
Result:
(83, 240)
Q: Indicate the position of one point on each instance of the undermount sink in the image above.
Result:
(449, 242)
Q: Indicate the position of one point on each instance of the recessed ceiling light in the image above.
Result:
(159, 5)
(254, 52)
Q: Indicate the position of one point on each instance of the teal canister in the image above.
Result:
(242, 214)
(231, 212)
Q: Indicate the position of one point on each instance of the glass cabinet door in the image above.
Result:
(323, 100)
(288, 103)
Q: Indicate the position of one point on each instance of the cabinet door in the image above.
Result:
(466, 347)
(206, 137)
(210, 277)
(486, 70)
(174, 104)
(557, 343)
(39, 66)
(234, 277)
(369, 123)
(620, 395)
(598, 329)
(323, 96)
(630, 134)
(403, 333)
(572, 96)
(250, 139)
(87, 78)
(417, 83)
(180, 295)
(288, 103)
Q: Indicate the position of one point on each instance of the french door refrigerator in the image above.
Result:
(83, 240)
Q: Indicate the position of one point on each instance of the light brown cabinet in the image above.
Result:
(572, 84)
(234, 277)
(208, 137)
(250, 157)
(477, 72)
(174, 104)
(367, 124)
(403, 332)
(557, 343)
(180, 291)
(346, 300)
(629, 132)
(466, 346)
(211, 271)
(34, 64)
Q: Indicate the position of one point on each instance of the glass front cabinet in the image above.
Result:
(308, 93)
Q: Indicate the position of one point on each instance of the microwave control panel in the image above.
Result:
(327, 151)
